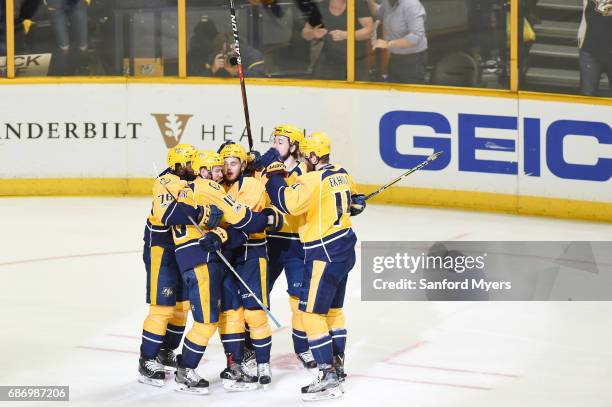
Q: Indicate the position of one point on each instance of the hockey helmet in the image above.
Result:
(234, 150)
(290, 131)
(318, 143)
(207, 159)
(180, 154)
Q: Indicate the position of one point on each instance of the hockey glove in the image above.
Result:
(276, 168)
(275, 219)
(254, 156)
(265, 160)
(213, 240)
(211, 216)
(358, 204)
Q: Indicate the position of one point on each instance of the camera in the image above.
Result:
(231, 58)
(223, 45)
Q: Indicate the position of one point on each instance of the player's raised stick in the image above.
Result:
(227, 263)
(404, 175)
(245, 102)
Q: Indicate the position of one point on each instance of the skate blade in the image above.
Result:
(328, 394)
(234, 385)
(181, 388)
(150, 381)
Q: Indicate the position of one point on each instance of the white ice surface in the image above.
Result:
(72, 305)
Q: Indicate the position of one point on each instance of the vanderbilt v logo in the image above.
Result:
(172, 126)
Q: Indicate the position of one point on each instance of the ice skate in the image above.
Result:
(189, 381)
(167, 358)
(264, 374)
(338, 364)
(249, 364)
(325, 386)
(236, 379)
(307, 360)
(151, 372)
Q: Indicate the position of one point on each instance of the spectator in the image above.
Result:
(66, 16)
(595, 42)
(201, 47)
(404, 36)
(330, 25)
(223, 60)
(23, 11)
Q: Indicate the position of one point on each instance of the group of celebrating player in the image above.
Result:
(222, 228)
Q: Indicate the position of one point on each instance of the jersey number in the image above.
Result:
(165, 199)
(340, 208)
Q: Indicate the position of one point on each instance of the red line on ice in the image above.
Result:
(72, 256)
(125, 336)
(451, 369)
(404, 350)
(108, 349)
(400, 379)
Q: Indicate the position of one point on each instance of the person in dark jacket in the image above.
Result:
(595, 41)
(223, 61)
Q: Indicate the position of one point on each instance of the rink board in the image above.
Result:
(501, 153)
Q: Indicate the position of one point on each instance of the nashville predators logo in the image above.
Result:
(167, 291)
(171, 126)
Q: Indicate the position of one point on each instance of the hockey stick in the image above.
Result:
(222, 257)
(404, 175)
(245, 102)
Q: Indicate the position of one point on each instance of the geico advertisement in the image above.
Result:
(490, 144)
(534, 153)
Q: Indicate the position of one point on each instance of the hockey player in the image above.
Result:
(326, 196)
(251, 263)
(195, 255)
(284, 247)
(236, 376)
(211, 165)
(166, 294)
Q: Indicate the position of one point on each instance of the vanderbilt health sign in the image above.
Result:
(491, 144)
